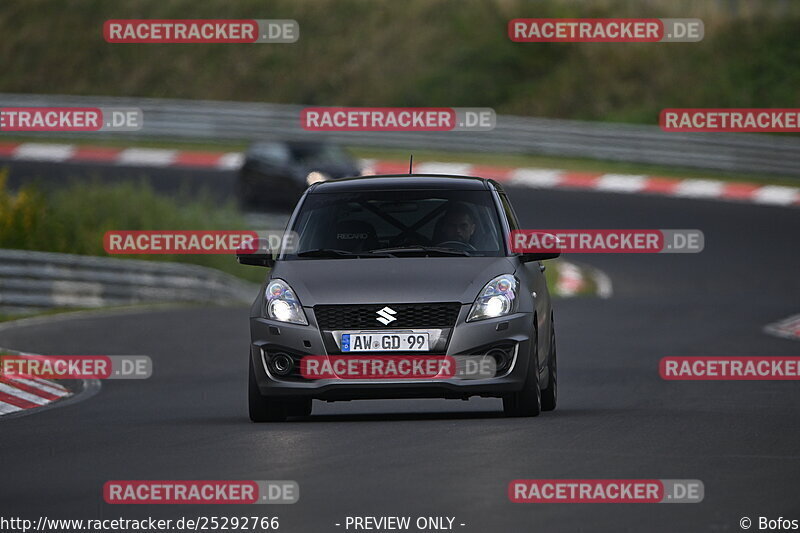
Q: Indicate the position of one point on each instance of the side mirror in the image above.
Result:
(255, 252)
(528, 257)
(535, 245)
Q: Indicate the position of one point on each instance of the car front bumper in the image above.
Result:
(269, 336)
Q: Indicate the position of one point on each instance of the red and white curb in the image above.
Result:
(615, 183)
(146, 157)
(777, 195)
(788, 328)
(19, 394)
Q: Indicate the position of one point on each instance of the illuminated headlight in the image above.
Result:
(281, 303)
(497, 298)
(316, 177)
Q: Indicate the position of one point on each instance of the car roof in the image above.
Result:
(405, 182)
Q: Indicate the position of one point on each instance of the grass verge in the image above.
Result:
(74, 220)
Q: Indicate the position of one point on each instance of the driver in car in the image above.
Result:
(457, 224)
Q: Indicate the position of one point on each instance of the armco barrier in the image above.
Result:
(38, 280)
(227, 121)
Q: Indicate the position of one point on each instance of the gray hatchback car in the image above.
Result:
(419, 265)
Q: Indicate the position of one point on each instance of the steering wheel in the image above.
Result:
(458, 245)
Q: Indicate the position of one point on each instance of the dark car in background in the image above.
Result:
(275, 173)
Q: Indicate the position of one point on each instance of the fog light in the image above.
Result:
(500, 357)
(281, 364)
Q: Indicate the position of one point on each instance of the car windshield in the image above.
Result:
(398, 223)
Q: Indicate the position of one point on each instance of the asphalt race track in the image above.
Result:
(616, 417)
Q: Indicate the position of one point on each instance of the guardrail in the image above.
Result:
(39, 280)
(226, 121)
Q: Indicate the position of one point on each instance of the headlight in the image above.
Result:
(281, 303)
(497, 298)
(315, 177)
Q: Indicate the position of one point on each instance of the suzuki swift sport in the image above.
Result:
(418, 265)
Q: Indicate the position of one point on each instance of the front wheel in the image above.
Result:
(527, 402)
(265, 409)
(550, 393)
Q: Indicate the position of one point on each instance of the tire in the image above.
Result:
(528, 401)
(262, 409)
(265, 409)
(550, 393)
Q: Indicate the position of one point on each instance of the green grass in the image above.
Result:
(415, 53)
(75, 218)
(7, 317)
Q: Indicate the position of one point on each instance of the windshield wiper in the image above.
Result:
(334, 254)
(425, 250)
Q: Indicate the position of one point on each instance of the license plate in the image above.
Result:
(385, 342)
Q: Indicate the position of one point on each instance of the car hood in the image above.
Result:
(390, 280)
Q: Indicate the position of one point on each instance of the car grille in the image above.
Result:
(433, 315)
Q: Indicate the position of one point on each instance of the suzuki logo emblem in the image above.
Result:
(385, 316)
